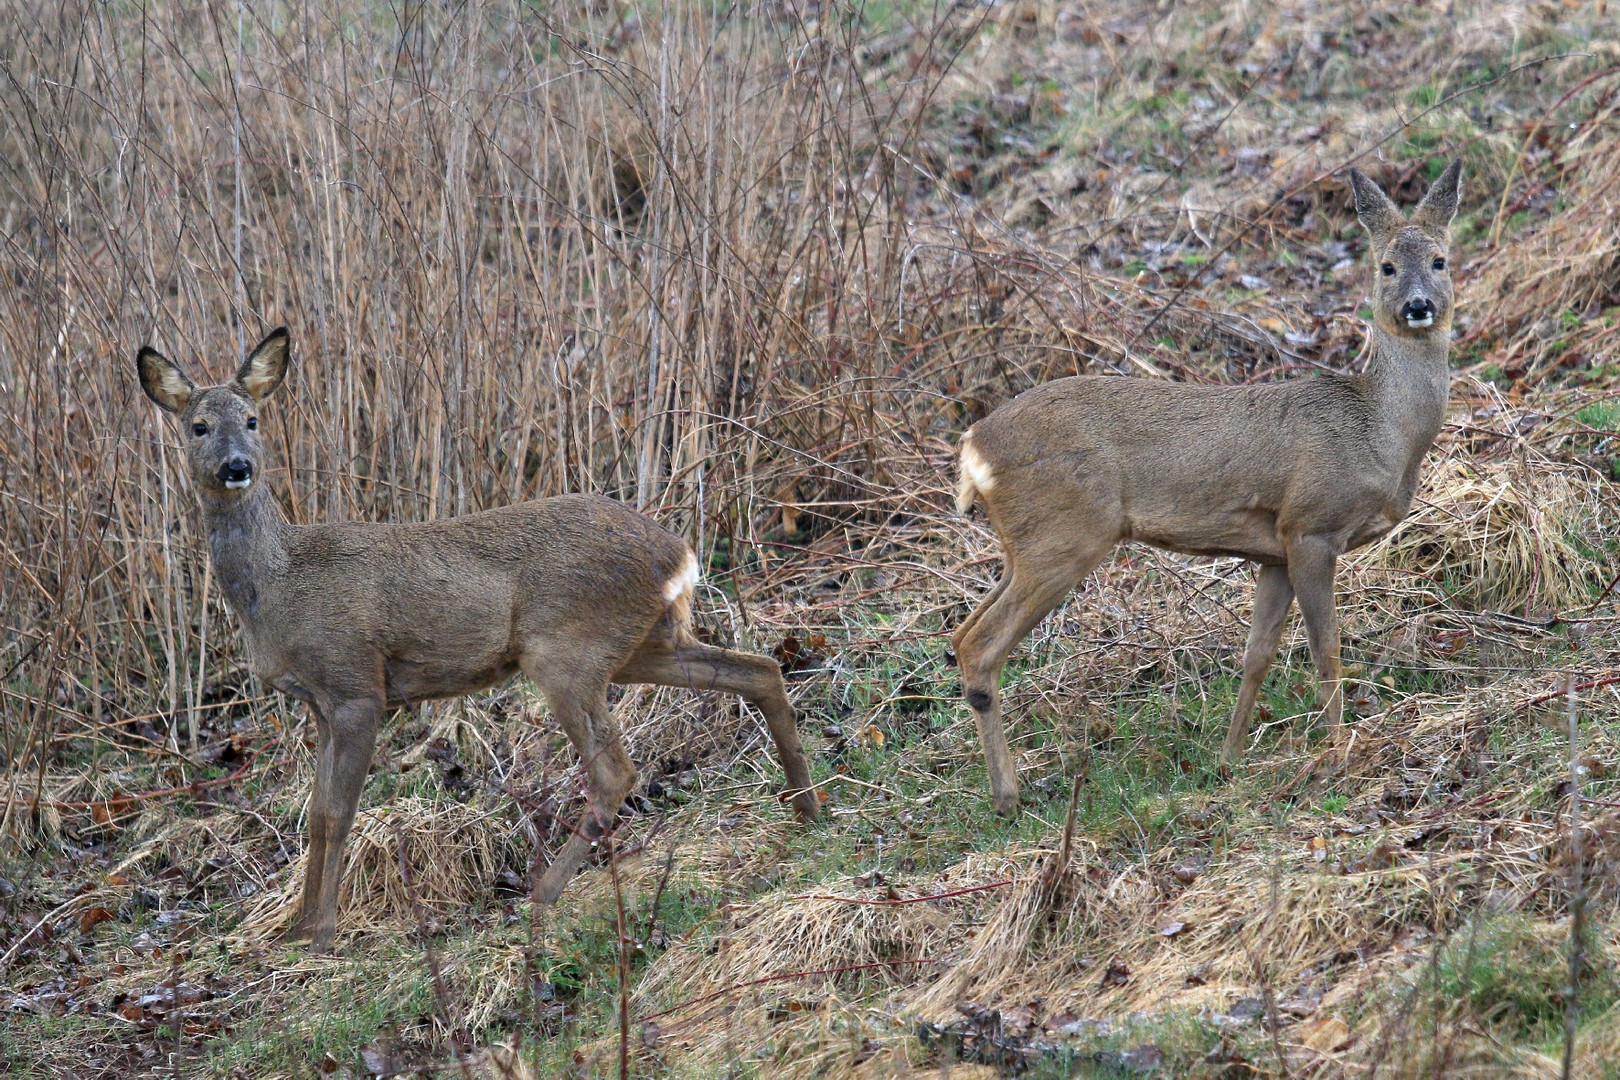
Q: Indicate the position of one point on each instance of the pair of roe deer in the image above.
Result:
(579, 592)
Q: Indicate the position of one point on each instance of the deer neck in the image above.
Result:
(246, 545)
(1409, 381)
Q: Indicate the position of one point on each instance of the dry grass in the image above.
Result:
(753, 269)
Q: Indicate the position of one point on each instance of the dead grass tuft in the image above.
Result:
(1518, 535)
(457, 852)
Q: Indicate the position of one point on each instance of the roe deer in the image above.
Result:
(577, 591)
(1289, 474)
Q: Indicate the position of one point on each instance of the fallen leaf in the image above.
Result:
(1116, 975)
(1381, 857)
(1172, 928)
(94, 917)
(378, 1062)
(1319, 848)
(1324, 1034)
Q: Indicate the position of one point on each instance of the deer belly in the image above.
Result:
(411, 679)
(1247, 531)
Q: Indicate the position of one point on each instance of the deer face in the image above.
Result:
(1411, 273)
(1412, 285)
(219, 425)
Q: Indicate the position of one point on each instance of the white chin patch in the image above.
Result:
(1427, 320)
(237, 485)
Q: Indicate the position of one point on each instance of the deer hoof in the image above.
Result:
(301, 932)
(808, 807)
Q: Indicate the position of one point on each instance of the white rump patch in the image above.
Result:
(684, 582)
(976, 469)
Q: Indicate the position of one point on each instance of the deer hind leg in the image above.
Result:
(989, 635)
(984, 605)
(582, 710)
(1311, 566)
(756, 679)
(340, 773)
(1272, 596)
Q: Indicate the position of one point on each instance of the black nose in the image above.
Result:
(236, 470)
(1421, 308)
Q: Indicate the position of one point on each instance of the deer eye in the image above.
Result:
(1440, 263)
(1388, 269)
(199, 429)
(253, 423)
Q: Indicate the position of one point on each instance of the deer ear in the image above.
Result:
(266, 366)
(1378, 215)
(164, 383)
(1439, 204)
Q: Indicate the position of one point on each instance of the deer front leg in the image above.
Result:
(610, 773)
(340, 773)
(1312, 562)
(315, 863)
(1272, 595)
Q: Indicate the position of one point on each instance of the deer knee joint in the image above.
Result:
(979, 698)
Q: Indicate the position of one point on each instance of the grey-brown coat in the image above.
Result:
(1290, 474)
(576, 591)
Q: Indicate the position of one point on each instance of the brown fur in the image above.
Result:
(1290, 475)
(576, 591)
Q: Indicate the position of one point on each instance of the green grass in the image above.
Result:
(1601, 415)
(1514, 974)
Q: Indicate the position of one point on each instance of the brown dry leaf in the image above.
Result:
(94, 917)
(1381, 857)
(1319, 848)
(1324, 1034)
(1116, 975)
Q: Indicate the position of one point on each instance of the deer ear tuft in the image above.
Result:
(266, 366)
(1377, 213)
(1439, 204)
(163, 382)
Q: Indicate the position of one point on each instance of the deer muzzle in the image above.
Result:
(1418, 313)
(237, 473)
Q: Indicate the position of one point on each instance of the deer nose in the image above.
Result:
(1418, 311)
(237, 472)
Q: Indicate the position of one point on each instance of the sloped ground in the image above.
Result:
(1408, 914)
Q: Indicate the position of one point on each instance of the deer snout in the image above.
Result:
(1418, 312)
(236, 473)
